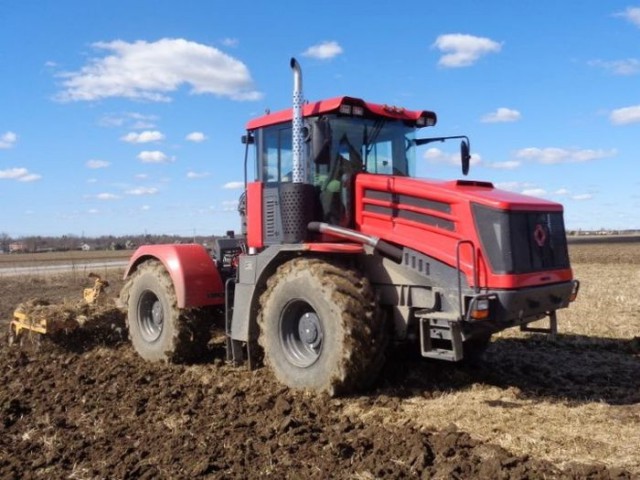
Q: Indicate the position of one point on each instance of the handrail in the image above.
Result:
(459, 270)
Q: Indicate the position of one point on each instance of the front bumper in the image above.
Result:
(510, 308)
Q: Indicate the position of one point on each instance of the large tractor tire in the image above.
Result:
(158, 329)
(321, 328)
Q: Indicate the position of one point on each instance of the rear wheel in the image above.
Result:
(158, 329)
(321, 329)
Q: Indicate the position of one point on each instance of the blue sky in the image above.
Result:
(125, 117)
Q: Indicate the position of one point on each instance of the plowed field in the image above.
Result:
(82, 405)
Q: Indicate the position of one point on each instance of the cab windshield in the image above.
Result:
(380, 145)
(335, 143)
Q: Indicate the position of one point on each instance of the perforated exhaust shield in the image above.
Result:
(299, 170)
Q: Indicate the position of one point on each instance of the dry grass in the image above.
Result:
(609, 302)
(581, 403)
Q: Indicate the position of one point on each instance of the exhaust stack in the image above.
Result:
(299, 173)
(297, 197)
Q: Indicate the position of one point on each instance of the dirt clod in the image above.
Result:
(109, 414)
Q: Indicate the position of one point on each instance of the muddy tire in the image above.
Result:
(158, 329)
(473, 349)
(321, 328)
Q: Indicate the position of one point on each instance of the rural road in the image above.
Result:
(61, 268)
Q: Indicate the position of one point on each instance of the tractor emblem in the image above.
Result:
(540, 235)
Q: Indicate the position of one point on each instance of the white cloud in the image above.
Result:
(507, 165)
(553, 155)
(632, 14)
(582, 197)
(94, 164)
(133, 120)
(143, 137)
(230, 42)
(110, 121)
(626, 115)
(233, 185)
(435, 155)
(8, 140)
(151, 70)
(145, 208)
(323, 51)
(196, 137)
(140, 191)
(534, 192)
(20, 174)
(629, 66)
(502, 115)
(511, 186)
(29, 177)
(13, 173)
(461, 50)
(561, 191)
(141, 176)
(107, 196)
(587, 155)
(153, 156)
(230, 205)
(194, 175)
(142, 125)
(438, 157)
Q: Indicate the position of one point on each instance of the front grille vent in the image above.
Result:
(522, 242)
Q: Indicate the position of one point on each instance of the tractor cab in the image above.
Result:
(339, 138)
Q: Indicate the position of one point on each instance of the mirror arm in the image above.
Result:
(424, 141)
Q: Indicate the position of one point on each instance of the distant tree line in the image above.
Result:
(38, 243)
(602, 231)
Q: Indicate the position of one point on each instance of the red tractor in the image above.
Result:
(343, 252)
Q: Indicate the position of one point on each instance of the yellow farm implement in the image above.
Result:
(40, 318)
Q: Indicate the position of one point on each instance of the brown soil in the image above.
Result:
(83, 405)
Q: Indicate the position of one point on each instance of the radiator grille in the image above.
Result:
(522, 242)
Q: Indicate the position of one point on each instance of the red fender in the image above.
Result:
(195, 278)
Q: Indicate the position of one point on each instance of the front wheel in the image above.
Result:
(158, 329)
(321, 328)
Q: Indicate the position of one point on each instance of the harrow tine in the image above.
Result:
(12, 336)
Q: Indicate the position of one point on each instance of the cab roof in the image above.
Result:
(419, 118)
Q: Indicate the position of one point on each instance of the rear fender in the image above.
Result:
(195, 278)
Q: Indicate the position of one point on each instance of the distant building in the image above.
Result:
(17, 247)
(116, 246)
(85, 247)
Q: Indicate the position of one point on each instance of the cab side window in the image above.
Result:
(277, 156)
(380, 158)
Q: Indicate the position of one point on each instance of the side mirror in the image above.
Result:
(465, 156)
(247, 139)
